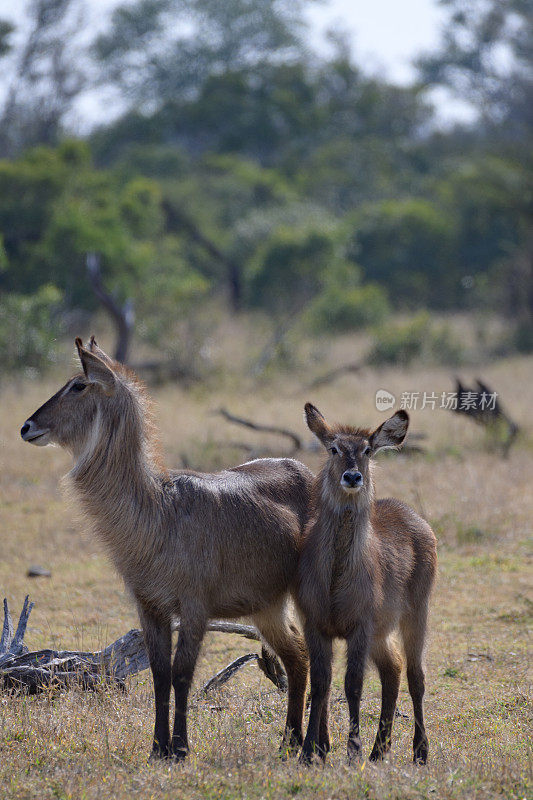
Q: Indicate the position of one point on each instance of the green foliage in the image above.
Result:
(142, 54)
(343, 306)
(290, 267)
(29, 327)
(55, 208)
(6, 29)
(488, 203)
(245, 162)
(403, 343)
(486, 57)
(408, 245)
(45, 74)
(28, 189)
(172, 294)
(141, 208)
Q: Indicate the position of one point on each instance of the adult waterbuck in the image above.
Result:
(187, 544)
(366, 571)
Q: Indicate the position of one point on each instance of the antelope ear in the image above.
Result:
(317, 424)
(97, 351)
(391, 433)
(95, 369)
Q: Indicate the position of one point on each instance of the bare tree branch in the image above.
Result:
(332, 375)
(228, 672)
(7, 630)
(255, 426)
(266, 662)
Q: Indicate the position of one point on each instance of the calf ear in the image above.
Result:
(317, 424)
(391, 433)
(95, 369)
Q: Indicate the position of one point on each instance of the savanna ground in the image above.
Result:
(75, 745)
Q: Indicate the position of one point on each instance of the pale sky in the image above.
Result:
(386, 36)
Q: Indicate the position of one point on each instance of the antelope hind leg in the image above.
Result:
(280, 632)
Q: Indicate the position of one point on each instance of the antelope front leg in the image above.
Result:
(192, 629)
(320, 655)
(357, 648)
(157, 637)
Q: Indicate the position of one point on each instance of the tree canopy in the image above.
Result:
(245, 164)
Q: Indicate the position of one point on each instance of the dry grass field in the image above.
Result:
(478, 706)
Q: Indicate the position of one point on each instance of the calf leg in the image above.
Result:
(192, 629)
(413, 633)
(353, 685)
(277, 628)
(321, 654)
(389, 663)
(157, 637)
(323, 730)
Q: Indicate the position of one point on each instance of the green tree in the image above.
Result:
(6, 30)
(238, 36)
(408, 246)
(55, 208)
(29, 327)
(486, 58)
(209, 205)
(48, 75)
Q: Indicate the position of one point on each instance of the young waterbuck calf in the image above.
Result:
(366, 570)
(187, 544)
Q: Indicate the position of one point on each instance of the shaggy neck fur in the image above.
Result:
(116, 478)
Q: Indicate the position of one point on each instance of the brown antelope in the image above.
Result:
(366, 569)
(187, 544)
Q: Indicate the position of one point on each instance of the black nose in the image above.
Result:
(352, 478)
(25, 428)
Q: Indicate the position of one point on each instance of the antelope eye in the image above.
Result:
(367, 451)
(333, 450)
(77, 387)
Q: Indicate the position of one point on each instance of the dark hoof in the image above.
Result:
(179, 754)
(288, 750)
(379, 751)
(354, 751)
(290, 745)
(309, 756)
(159, 754)
(324, 748)
(420, 752)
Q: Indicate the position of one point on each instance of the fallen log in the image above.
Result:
(33, 672)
